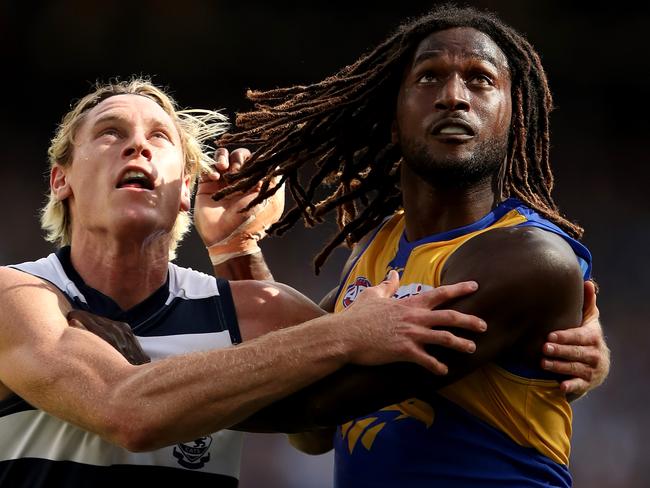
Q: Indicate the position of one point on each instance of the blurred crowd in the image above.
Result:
(209, 52)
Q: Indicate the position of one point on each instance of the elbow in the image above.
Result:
(313, 443)
(132, 429)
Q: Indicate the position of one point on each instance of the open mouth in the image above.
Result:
(451, 127)
(135, 179)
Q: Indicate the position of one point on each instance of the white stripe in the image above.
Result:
(158, 347)
(36, 434)
(50, 269)
(189, 284)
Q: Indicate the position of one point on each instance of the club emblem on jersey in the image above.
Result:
(365, 430)
(352, 292)
(193, 455)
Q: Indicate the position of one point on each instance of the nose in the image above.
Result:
(453, 95)
(136, 147)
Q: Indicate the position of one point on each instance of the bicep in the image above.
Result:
(264, 307)
(530, 283)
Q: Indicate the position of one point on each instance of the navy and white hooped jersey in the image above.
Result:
(191, 312)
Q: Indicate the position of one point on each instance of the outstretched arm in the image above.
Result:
(530, 285)
(77, 376)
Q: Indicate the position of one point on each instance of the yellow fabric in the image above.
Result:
(532, 412)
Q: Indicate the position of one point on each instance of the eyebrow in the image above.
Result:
(480, 55)
(108, 118)
(112, 117)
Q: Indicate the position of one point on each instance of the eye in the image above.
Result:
(480, 80)
(110, 132)
(428, 77)
(161, 134)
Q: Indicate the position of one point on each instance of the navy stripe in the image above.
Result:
(197, 316)
(13, 404)
(485, 222)
(43, 473)
(227, 312)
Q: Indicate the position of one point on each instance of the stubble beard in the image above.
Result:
(449, 173)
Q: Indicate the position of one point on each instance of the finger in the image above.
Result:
(221, 159)
(389, 286)
(239, 156)
(586, 355)
(437, 296)
(578, 336)
(574, 386)
(571, 368)
(589, 308)
(419, 356)
(209, 177)
(449, 318)
(445, 339)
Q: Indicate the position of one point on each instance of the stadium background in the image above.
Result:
(208, 52)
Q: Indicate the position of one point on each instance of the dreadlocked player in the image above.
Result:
(437, 147)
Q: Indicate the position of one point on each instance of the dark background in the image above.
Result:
(208, 52)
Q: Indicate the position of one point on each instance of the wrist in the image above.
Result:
(248, 267)
(234, 246)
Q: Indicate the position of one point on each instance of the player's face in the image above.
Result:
(126, 175)
(454, 108)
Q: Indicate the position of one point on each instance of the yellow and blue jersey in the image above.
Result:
(503, 425)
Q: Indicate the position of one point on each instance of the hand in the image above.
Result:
(381, 329)
(216, 221)
(580, 352)
(117, 334)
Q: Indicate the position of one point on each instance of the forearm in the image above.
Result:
(249, 267)
(180, 399)
(345, 394)
(75, 375)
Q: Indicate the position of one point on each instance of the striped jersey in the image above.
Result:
(192, 311)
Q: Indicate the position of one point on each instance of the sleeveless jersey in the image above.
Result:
(191, 312)
(502, 425)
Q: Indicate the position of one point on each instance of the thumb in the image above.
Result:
(589, 305)
(76, 324)
(389, 286)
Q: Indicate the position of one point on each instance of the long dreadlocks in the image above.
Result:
(341, 128)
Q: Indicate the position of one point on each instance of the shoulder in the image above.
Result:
(28, 306)
(16, 282)
(540, 251)
(526, 267)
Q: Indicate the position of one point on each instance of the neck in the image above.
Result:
(128, 272)
(430, 210)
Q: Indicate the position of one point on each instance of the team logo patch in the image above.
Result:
(410, 290)
(193, 455)
(352, 292)
(366, 430)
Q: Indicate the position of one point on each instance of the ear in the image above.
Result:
(186, 202)
(394, 133)
(59, 184)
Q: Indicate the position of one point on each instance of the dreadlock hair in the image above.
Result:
(341, 128)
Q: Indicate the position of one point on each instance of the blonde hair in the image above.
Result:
(196, 128)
